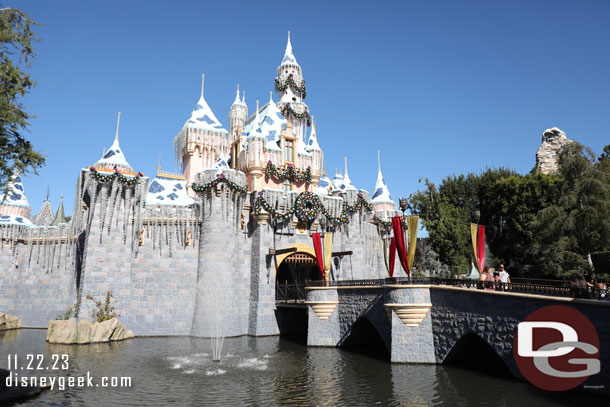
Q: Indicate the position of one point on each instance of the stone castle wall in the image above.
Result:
(172, 271)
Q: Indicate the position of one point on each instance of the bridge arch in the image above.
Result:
(476, 353)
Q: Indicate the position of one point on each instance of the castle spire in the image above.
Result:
(60, 218)
(116, 136)
(289, 58)
(243, 99)
(114, 157)
(237, 101)
(381, 193)
(347, 183)
(202, 81)
(312, 143)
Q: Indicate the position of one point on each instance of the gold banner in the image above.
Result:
(473, 235)
(412, 224)
(385, 254)
(328, 251)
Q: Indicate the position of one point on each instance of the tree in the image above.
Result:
(567, 232)
(16, 52)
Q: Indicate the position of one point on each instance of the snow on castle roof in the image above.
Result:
(202, 117)
(381, 194)
(324, 185)
(15, 220)
(167, 189)
(114, 155)
(289, 58)
(312, 143)
(15, 195)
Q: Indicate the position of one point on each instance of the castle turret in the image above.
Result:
(114, 158)
(290, 86)
(237, 120)
(381, 200)
(60, 218)
(201, 141)
(14, 206)
(347, 182)
(317, 155)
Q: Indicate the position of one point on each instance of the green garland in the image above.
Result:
(308, 207)
(290, 82)
(288, 173)
(288, 110)
(212, 184)
(99, 177)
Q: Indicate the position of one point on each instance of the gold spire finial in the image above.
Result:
(159, 164)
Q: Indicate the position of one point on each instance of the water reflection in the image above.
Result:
(262, 371)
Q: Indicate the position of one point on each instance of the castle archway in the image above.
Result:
(298, 267)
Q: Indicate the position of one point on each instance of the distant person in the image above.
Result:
(579, 287)
(486, 278)
(504, 277)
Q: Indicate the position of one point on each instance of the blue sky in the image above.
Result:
(440, 87)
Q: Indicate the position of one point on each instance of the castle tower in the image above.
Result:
(347, 182)
(45, 215)
(381, 200)
(290, 86)
(317, 155)
(60, 218)
(237, 120)
(201, 141)
(14, 206)
(114, 157)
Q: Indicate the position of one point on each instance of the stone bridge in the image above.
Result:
(426, 323)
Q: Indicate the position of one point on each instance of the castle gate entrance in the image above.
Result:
(293, 273)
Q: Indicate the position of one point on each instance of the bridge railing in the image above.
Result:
(558, 288)
(290, 292)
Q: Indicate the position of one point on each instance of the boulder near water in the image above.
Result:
(72, 331)
(8, 321)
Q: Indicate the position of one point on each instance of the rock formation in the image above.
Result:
(9, 322)
(72, 332)
(546, 156)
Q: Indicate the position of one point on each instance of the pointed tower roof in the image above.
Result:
(338, 180)
(237, 100)
(253, 126)
(347, 183)
(381, 193)
(272, 124)
(202, 117)
(114, 156)
(45, 215)
(60, 219)
(312, 143)
(15, 195)
(324, 185)
(221, 163)
(289, 58)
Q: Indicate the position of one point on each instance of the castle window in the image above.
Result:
(287, 185)
(289, 151)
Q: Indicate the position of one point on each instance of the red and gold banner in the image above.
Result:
(317, 245)
(399, 237)
(478, 245)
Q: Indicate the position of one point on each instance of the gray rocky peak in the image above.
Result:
(546, 157)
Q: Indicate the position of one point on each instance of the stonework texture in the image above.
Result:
(200, 270)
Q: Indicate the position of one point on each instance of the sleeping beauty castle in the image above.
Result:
(184, 252)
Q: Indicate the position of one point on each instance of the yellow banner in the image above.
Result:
(473, 235)
(412, 224)
(385, 254)
(328, 251)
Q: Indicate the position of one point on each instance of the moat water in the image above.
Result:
(267, 371)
